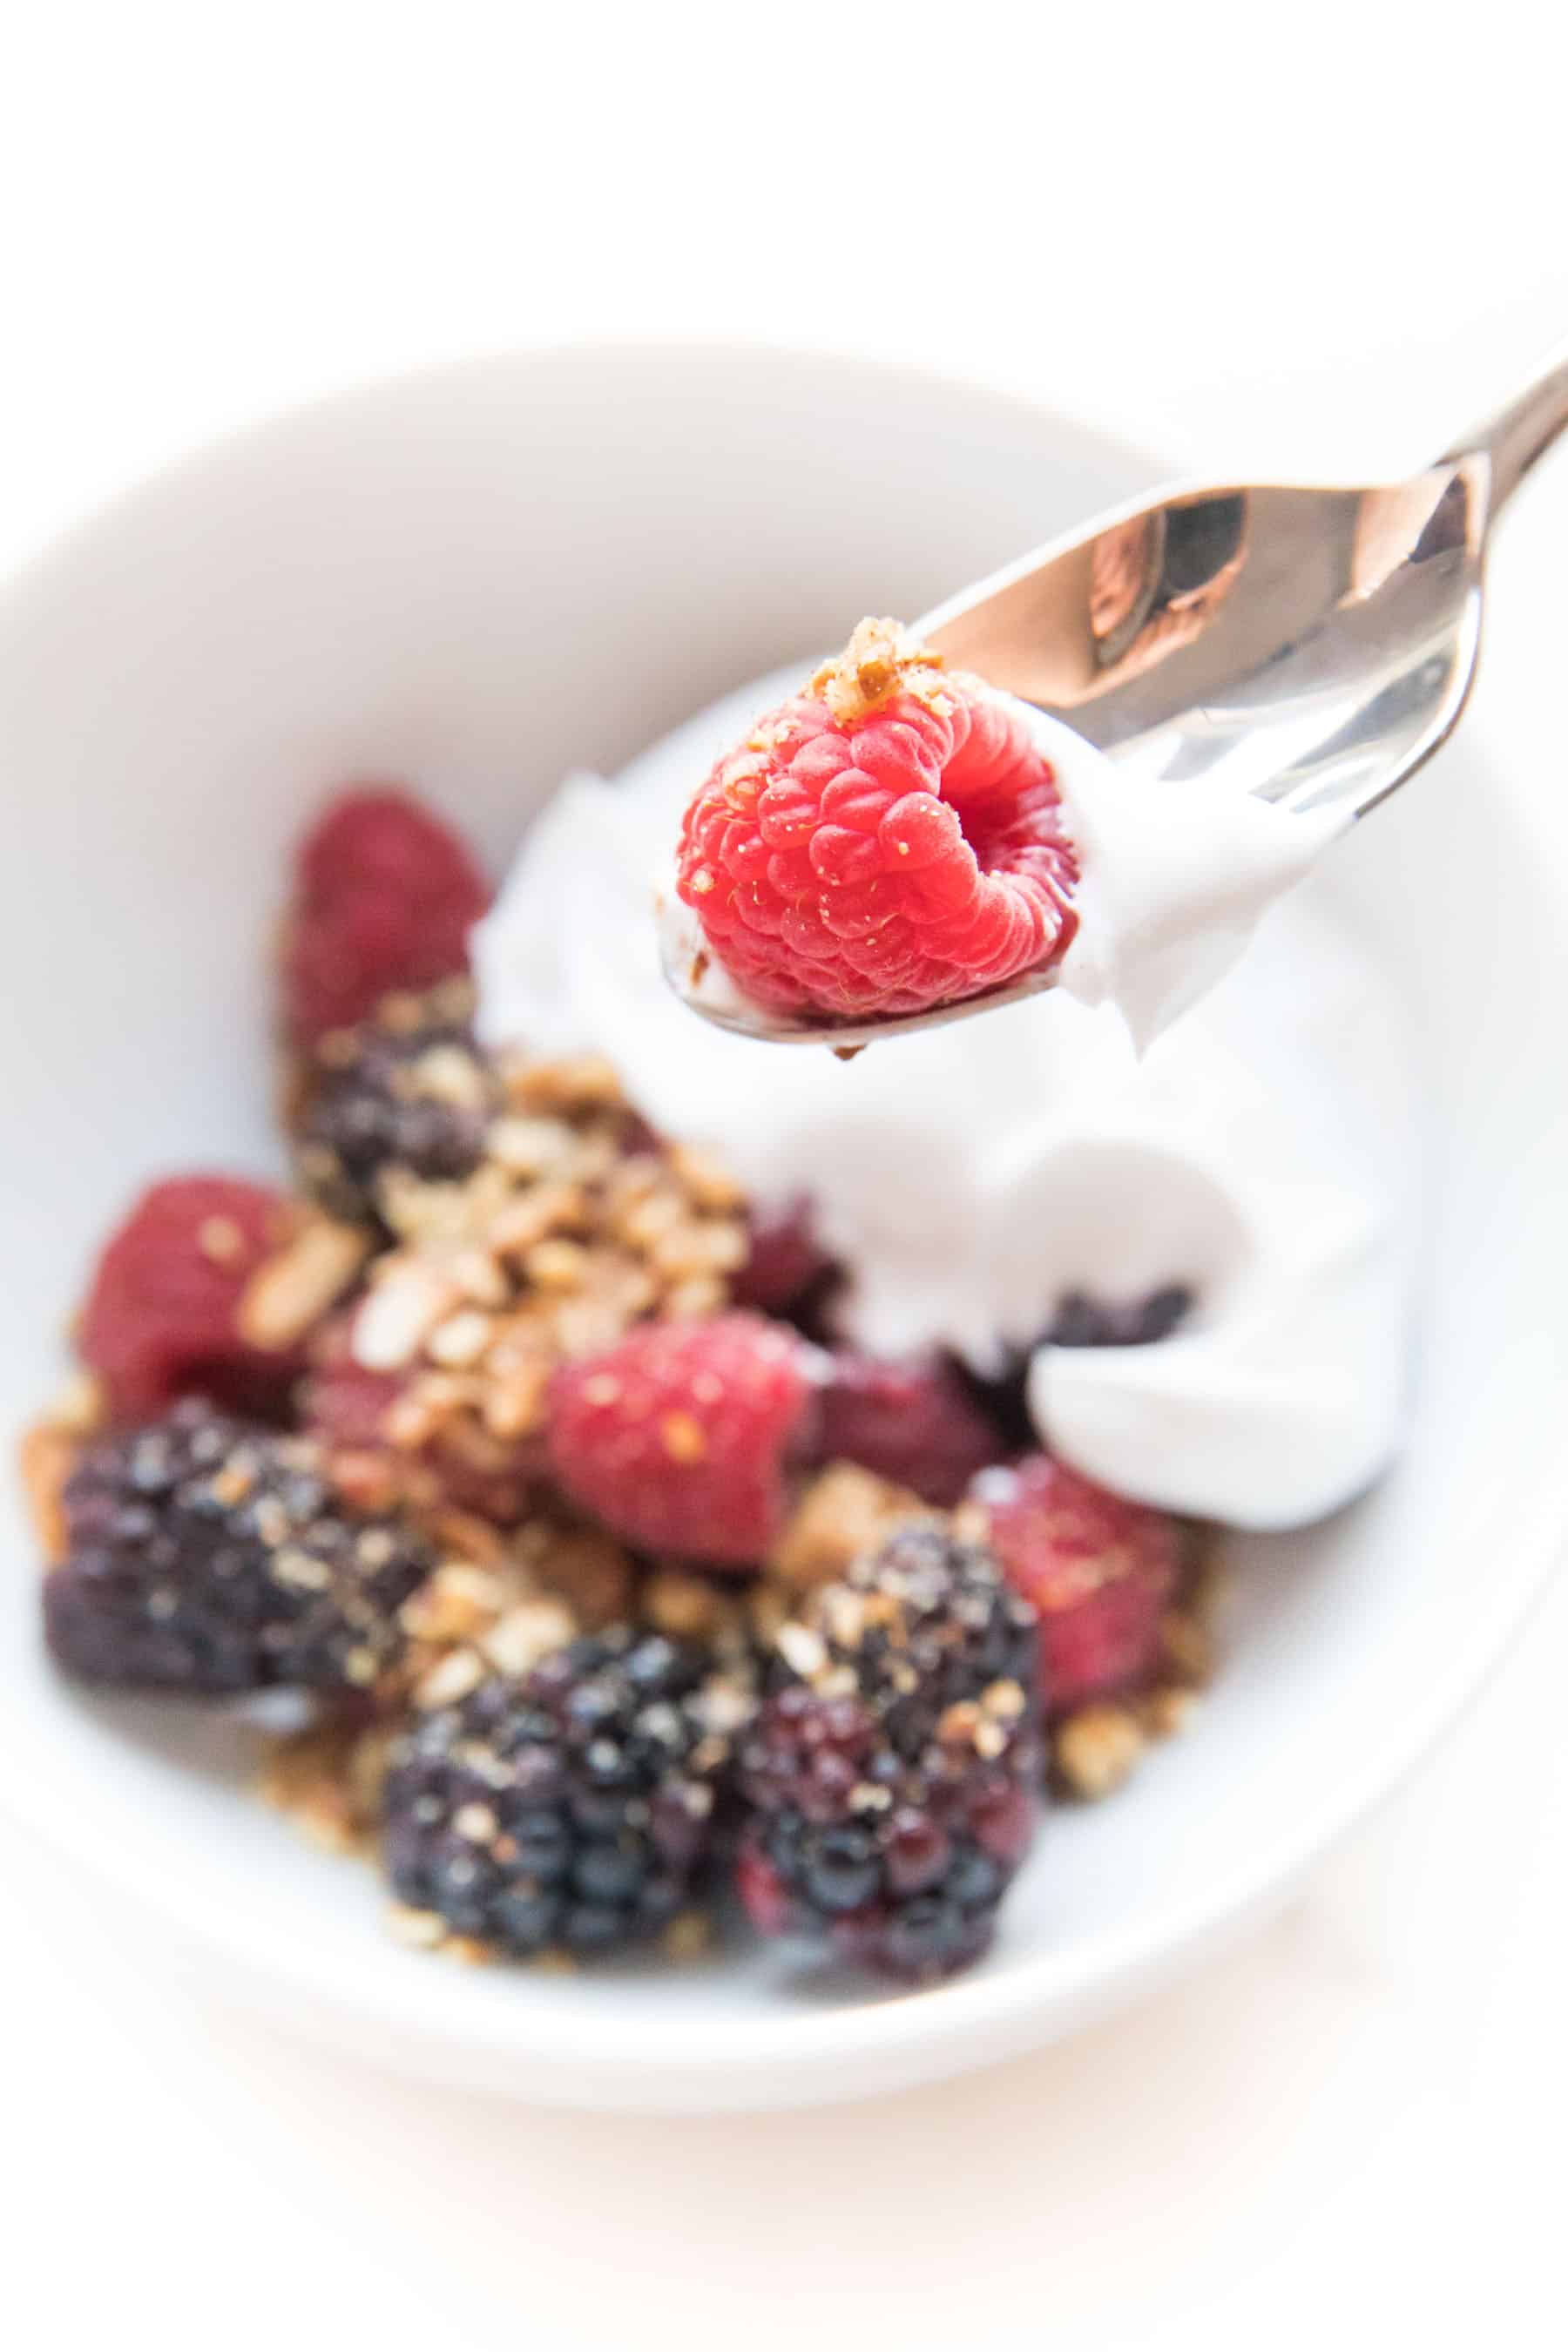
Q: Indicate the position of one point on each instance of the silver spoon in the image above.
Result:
(1318, 645)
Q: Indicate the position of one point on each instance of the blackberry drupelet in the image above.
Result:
(407, 1089)
(893, 1774)
(574, 1807)
(208, 1556)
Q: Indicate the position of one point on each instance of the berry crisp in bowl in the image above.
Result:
(610, 1586)
(766, 1592)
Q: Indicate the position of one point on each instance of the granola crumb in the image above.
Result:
(844, 1512)
(469, 1952)
(291, 1290)
(689, 1607)
(880, 661)
(524, 1635)
(586, 1082)
(1186, 1645)
(80, 1406)
(422, 1931)
(689, 1937)
(327, 1781)
(1097, 1750)
(45, 1457)
(1170, 1710)
(452, 1678)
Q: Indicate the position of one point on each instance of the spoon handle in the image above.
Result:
(1520, 431)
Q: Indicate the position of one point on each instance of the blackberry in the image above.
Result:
(408, 1089)
(576, 1807)
(1081, 1321)
(892, 1775)
(209, 1556)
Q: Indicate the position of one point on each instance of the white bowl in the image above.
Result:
(473, 580)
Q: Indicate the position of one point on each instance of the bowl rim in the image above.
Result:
(923, 2033)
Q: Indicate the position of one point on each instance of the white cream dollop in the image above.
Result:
(1261, 1152)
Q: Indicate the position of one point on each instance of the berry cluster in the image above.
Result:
(522, 1440)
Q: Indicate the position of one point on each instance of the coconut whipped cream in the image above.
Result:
(1261, 1152)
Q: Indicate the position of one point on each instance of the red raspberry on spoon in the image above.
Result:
(889, 841)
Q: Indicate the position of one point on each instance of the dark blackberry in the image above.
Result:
(892, 1776)
(208, 1556)
(1081, 1321)
(408, 1089)
(574, 1807)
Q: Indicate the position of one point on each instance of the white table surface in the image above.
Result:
(1347, 2126)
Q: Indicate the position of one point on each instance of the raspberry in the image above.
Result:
(786, 1265)
(890, 840)
(384, 896)
(892, 1776)
(208, 1556)
(1099, 1571)
(914, 1423)
(163, 1313)
(679, 1437)
(411, 1092)
(571, 1808)
(344, 1405)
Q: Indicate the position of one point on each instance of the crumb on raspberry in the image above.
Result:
(1099, 1569)
(680, 1437)
(890, 840)
(880, 661)
(171, 1310)
(384, 896)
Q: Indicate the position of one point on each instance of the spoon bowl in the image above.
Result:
(1311, 647)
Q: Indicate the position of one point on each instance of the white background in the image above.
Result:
(1255, 237)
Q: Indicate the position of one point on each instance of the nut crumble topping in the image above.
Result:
(880, 661)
